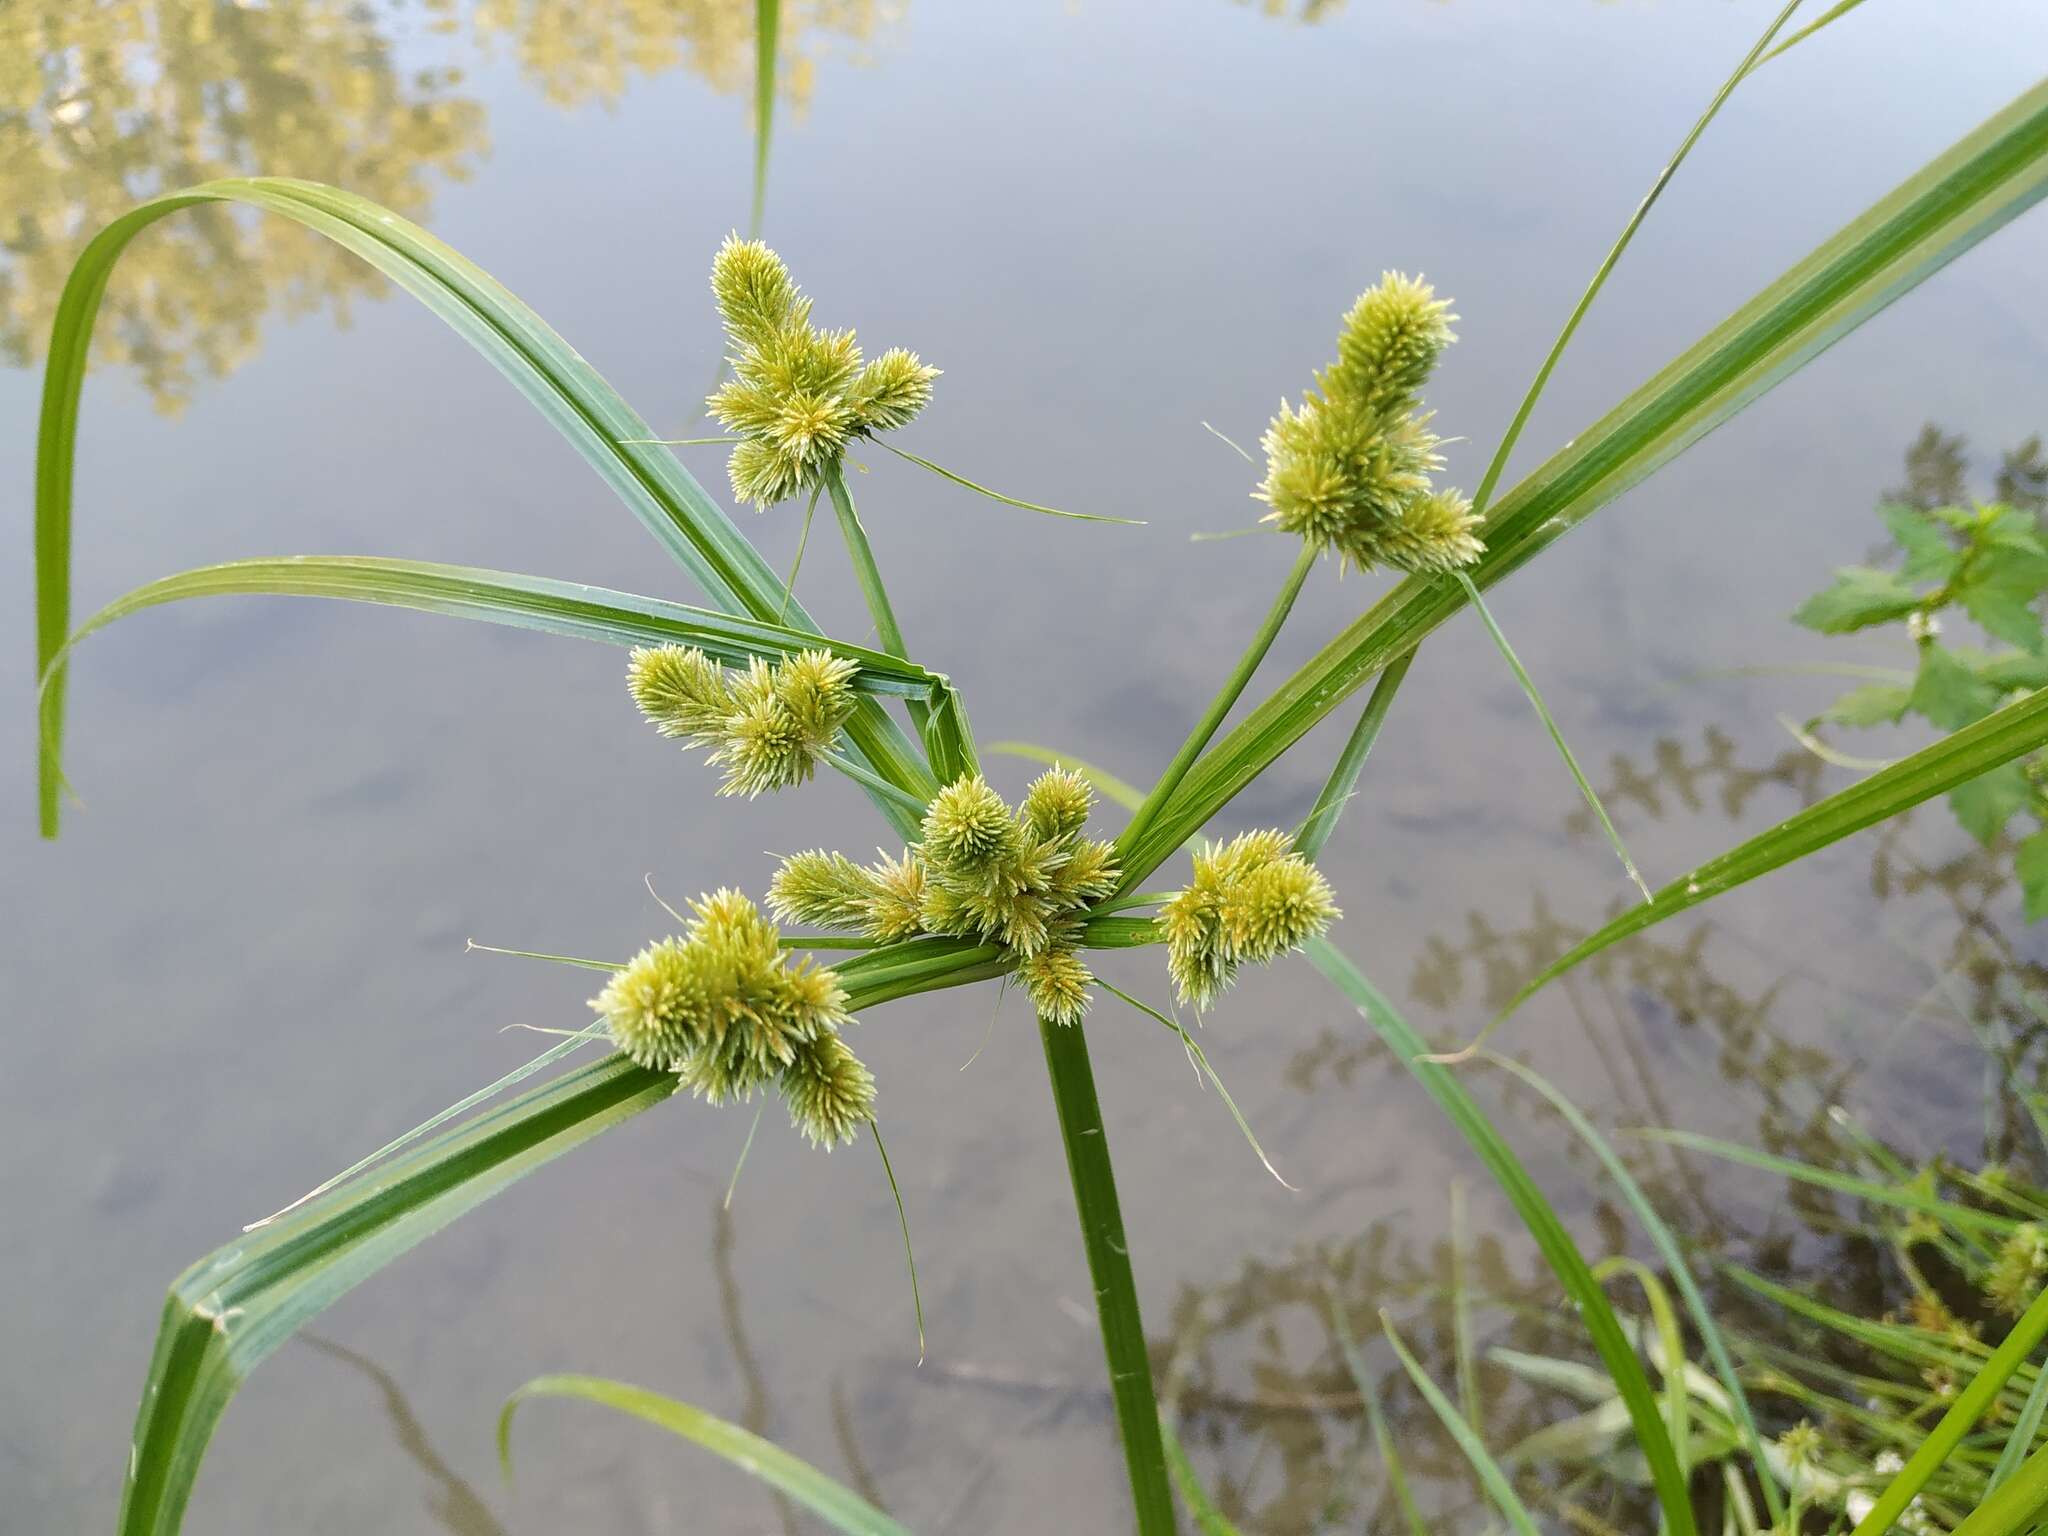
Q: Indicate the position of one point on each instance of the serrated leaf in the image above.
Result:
(1861, 596)
(1872, 704)
(1929, 554)
(2010, 528)
(1986, 804)
(1948, 693)
(2005, 582)
(2031, 865)
(2012, 669)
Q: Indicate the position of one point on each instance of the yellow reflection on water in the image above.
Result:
(106, 102)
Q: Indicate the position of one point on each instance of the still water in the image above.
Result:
(244, 965)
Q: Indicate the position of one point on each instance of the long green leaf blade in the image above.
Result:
(2011, 732)
(1984, 181)
(833, 1502)
(553, 377)
(524, 602)
(1542, 1222)
(1495, 1481)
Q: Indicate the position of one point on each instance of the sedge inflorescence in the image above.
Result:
(1021, 879)
(798, 394)
(767, 725)
(1251, 900)
(1349, 470)
(725, 1008)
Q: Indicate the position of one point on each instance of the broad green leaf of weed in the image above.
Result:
(1948, 692)
(1872, 704)
(1861, 596)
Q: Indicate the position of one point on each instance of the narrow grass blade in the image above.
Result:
(1209, 1520)
(553, 377)
(229, 1311)
(1201, 1060)
(803, 541)
(1556, 735)
(576, 1041)
(902, 1220)
(524, 602)
(1009, 501)
(2014, 1507)
(1368, 1392)
(869, 575)
(1491, 1478)
(2010, 732)
(2021, 1440)
(1461, 1314)
(1229, 443)
(1670, 1343)
(1987, 179)
(1969, 1406)
(1220, 706)
(1608, 1337)
(1675, 1265)
(1315, 832)
(834, 1503)
(1901, 1196)
(1109, 1264)
(581, 962)
(1833, 13)
(1484, 496)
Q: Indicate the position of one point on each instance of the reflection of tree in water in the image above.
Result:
(102, 104)
(106, 102)
(578, 53)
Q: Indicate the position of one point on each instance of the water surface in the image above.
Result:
(244, 964)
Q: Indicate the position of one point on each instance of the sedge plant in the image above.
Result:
(975, 887)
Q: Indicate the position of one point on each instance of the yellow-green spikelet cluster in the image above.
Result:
(767, 725)
(2021, 1268)
(726, 1009)
(1251, 900)
(1349, 471)
(798, 395)
(1020, 879)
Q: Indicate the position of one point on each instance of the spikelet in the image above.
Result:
(798, 395)
(2021, 1267)
(1019, 879)
(726, 1010)
(1250, 900)
(1057, 982)
(969, 834)
(1349, 470)
(829, 1093)
(767, 726)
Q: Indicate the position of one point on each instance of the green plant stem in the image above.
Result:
(2015, 1503)
(1219, 707)
(1315, 832)
(767, 25)
(1109, 1264)
(869, 574)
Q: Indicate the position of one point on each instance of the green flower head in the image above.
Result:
(2019, 1271)
(798, 395)
(767, 726)
(1349, 471)
(1251, 900)
(728, 1011)
(1021, 879)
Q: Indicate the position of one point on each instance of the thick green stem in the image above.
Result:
(1109, 1264)
(1219, 707)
